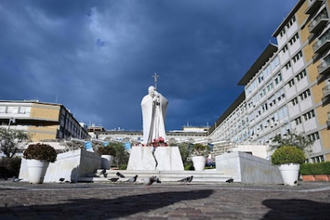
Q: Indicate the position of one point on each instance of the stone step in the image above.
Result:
(207, 176)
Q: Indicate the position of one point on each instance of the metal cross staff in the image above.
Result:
(155, 77)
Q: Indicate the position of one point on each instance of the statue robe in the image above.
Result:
(153, 117)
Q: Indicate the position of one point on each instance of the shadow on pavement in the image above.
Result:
(110, 208)
(296, 209)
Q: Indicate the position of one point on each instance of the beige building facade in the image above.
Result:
(43, 121)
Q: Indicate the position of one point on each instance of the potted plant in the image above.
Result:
(107, 153)
(288, 160)
(38, 156)
(200, 153)
(306, 172)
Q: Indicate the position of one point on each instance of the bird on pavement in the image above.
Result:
(104, 173)
(132, 179)
(14, 179)
(113, 179)
(61, 179)
(151, 180)
(120, 175)
(187, 179)
(230, 180)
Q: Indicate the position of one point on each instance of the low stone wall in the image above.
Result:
(168, 158)
(246, 168)
(69, 165)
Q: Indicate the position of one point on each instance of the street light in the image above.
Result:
(11, 120)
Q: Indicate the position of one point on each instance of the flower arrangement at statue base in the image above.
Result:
(160, 142)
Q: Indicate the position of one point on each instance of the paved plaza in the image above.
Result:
(19, 200)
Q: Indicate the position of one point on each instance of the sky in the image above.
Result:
(97, 58)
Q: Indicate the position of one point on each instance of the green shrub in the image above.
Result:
(317, 169)
(322, 168)
(288, 155)
(327, 167)
(306, 169)
(106, 150)
(40, 152)
(200, 150)
(9, 167)
(189, 166)
(123, 167)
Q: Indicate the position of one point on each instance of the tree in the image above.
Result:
(122, 155)
(12, 140)
(185, 151)
(295, 139)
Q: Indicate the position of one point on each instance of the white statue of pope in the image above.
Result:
(154, 107)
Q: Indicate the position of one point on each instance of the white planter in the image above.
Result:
(36, 170)
(198, 162)
(289, 173)
(106, 161)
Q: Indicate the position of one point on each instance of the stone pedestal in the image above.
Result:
(169, 158)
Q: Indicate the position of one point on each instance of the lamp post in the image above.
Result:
(11, 120)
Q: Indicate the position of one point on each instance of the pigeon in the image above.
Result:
(61, 179)
(104, 173)
(113, 179)
(14, 179)
(230, 180)
(151, 180)
(120, 175)
(132, 179)
(187, 179)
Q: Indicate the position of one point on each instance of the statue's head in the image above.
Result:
(151, 91)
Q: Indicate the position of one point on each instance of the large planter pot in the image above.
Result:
(289, 173)
(106, 161)
(308, 178)
(36, 170)
(321, 178)
(198, 162)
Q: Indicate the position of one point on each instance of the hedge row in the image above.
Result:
(322, 168)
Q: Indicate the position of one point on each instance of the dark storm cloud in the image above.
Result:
(98, 57)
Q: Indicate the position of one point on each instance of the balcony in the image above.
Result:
(314, 6)
(318, 22)
(324, 67)
(328, 121)
(322, 44)
(326, 94)
(326, 91)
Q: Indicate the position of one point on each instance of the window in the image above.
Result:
(291, 83)
(290, 23)
(294, 101)
(270, 86)
(309, 115)
(288, 65)
(278, 78)
(285, 49)
(294, 39)
(280, 94)
(282, 32)
(2, 109)
(298, 120)
(301, 75)
(313, 137)
(264, 107)
(297, 57)
(12, 109)
(262, 93)
(267, 71)
(305, 94)
(275, 62)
